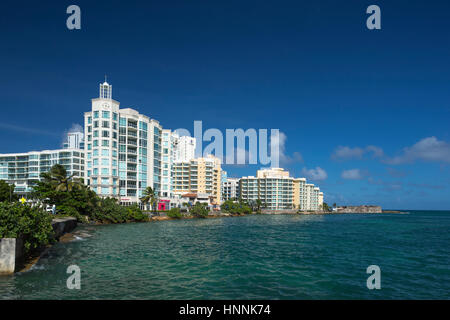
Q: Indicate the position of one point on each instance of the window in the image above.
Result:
(105, 124)
(95, 143)
(105, 134)
(105, 152)
(105, 171)
(105, 191)
(95, 152)
(95, 162)
(95, 133)
(89, 129)
(105, 143)
(105, 162)
(105, 114)
(142, 125)
(95, 124)
(105, 181)
(95, 114)
(114, 116)
(89, 120)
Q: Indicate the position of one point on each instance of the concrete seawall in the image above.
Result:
(11, 249)
(63, 225)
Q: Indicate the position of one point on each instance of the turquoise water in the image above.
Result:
(253, 257)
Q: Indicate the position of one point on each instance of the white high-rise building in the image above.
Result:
(185, 149)
(123, 150)
(230, 189)
(74, 140)
(168, 198)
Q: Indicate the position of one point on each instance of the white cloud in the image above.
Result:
(283, 157)
(348, 153)
(317, 174)
(76, 128)
(428, 149)
(377, 151)
(352, 174)
(29, 130)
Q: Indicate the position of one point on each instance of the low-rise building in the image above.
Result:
(24, 169)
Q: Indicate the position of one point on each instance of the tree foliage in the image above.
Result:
(7, 192)
(236, 207)
(150, 197)
(175, 213)
(72, 198)
(199, 210)
(32, 224)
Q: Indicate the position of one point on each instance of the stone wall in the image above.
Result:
(63, 225)
(359, 209)
(11, 249)
(280, 211)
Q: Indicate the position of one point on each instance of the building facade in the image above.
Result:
(198, 175)
(278, 191)
(123, 150)
(273, 187)
(185, 149)
(230, 189)
(74, 140)
(24, 169)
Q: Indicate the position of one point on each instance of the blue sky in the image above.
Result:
(365, 114)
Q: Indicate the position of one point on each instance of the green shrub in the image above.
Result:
(235, 208)
(200, 210)
(134, 213)
(174, 213)
(32, 224)
(109, 211)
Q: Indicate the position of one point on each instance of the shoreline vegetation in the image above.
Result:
(33, 224)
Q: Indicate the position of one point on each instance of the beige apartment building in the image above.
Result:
(198, 175)
(278, 191)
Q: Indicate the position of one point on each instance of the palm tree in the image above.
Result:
(58, 178)
(150, 197)
(258, 204)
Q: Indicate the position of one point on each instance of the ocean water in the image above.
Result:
(252, 257)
